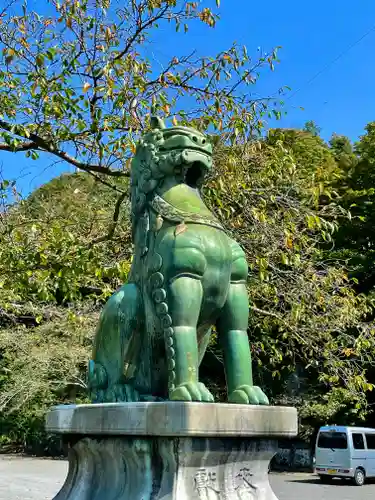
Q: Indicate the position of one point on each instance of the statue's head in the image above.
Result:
(178, 154)
(181, 151)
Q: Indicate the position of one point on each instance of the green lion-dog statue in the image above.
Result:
(187, 275)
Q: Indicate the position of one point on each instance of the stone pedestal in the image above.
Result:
(171, 450)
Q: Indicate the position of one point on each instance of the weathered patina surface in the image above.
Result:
(187, 275)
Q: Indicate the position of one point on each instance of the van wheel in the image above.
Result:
(359, 477)
(325, 479)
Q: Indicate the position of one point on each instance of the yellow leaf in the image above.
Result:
(289, 242)
(348, 352)
(174, 121)
(24, 43)
(86, 86)
(133, 148)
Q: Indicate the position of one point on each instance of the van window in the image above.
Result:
(358, 441)
(332, 439)
(370, 439)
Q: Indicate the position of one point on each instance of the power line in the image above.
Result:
(331, 63)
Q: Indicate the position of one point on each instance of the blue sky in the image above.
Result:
(312, 35)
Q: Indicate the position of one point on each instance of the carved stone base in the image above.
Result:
(122, 459)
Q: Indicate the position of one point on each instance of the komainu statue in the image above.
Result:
(187, 275)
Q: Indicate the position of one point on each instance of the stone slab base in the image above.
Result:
(170, 451)
(122, 468)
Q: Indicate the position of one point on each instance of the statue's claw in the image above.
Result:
(248, 394)
(192, 391)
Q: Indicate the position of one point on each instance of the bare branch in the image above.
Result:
(112, 228)
(87, 167)
(141, 27)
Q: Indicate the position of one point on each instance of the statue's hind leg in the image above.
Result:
(232, 330)
(184, 300)
(116, 348)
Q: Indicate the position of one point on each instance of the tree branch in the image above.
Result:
(276, 316)
(25, 146)
(138, 31)
(86, 166)
(38, 143)
(116, 215)
(267, 313)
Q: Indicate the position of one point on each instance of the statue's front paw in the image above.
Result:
(248, 395)
(191, 391)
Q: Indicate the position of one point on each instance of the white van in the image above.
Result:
(346, 452)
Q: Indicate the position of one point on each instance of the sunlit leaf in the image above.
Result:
(86, 86)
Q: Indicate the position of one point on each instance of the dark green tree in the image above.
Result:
(355, 240)
(312, 128)
(343, 151)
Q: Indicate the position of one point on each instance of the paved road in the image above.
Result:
(309, 487)
(32, 479)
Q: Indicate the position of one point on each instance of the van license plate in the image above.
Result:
(332, 471)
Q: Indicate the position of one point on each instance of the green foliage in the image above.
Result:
(78, 84)
(313, 160)
(50, 243)
(339, 405)
(56, 350)
(279, 198)
(61, 255)
(41, 366)
(355, 241)
(342, 150)
(312, 128)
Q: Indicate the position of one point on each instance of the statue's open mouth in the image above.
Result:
(198, 165)
(195, 174)
(193, 163)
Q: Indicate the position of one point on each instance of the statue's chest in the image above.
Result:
(200, 251)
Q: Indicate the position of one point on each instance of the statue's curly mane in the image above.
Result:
(145, 173)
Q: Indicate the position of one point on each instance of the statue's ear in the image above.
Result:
(157, 123)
